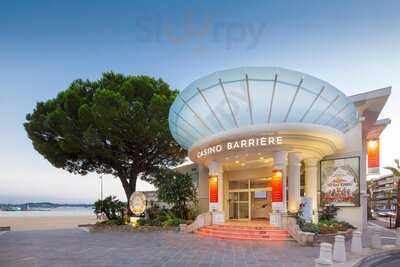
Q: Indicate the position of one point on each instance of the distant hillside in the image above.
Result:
(43, 205)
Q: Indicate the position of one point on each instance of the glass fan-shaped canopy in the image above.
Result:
(239, 97)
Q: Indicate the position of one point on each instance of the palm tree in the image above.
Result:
(396, 176)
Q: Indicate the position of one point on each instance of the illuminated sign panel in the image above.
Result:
(373, 156)
(240, 144)
(213, 186)
(277, 189)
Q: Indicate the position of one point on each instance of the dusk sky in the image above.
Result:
(45, 45)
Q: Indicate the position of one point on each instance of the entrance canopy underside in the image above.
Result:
(255, 145)
(242, 97)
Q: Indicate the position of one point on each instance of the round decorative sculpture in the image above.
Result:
(137, 203)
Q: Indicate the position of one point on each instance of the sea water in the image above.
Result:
(60, 211)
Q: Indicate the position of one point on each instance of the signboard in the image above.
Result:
(240, 144)
(137, 203)
(277, 190)
(213, 185)
(340, 182)
(373, 156)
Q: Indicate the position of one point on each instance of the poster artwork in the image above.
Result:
(340, 182)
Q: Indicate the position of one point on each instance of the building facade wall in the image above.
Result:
(354, 146)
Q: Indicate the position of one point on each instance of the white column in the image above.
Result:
(294, 181)
(311, 177)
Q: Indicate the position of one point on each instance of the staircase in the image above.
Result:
(244, 232)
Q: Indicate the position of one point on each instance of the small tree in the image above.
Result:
(111, 207)
(396, 176)
(176, 189)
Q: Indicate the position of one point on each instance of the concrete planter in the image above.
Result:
(311, 239)
(330, 238)
(202, 220)
(99, 228)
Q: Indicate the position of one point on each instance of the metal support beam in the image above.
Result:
(229, 103)
(272, 98)
(211, 109)
(197, 116)
(248, 99)
(312, 104)
(294, 98)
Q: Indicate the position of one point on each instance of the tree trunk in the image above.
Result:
(129, 185)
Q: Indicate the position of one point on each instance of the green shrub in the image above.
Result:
(347, 225)
(310, 227)
(153, 211)
(193, 212)
(328, 213)
(112, 222)
(142, 222)
(328, 222)
(327, 229)
(172, 220)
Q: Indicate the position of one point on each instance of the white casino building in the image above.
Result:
(263, 139)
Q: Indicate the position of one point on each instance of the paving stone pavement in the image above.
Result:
(74, 247)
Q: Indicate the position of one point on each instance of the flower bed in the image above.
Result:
(308, 233)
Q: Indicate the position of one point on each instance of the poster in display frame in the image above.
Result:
(340, 182)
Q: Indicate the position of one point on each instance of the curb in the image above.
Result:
(374, 258)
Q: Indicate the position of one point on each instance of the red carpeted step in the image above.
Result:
(243, 232)
(248, 232)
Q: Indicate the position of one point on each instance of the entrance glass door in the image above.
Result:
(260, 204)
(238, 205)
(249, 199)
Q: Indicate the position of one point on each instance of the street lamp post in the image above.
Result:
(101, 191)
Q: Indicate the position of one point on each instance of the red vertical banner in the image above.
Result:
(213, 186)
(373, 155)
(276, 184)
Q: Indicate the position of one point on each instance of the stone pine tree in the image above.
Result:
(116, 125)
(396, 177)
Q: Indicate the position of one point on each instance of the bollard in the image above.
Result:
(356, 245)
(325, 256)
(398, 236)
(376, 241)
(339, 250)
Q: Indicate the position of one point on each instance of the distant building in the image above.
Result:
(383, 192)
(151, 200)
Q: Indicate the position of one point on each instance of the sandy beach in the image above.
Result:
(19, 223)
